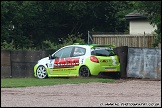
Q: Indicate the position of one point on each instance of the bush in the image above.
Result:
(71, 39)
(7, 46)
(46, 45)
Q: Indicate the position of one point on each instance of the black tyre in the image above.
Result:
(118, 76)
(41, 72)
(84, 71)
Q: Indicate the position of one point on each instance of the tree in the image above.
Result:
(37, 21)
(152, 10)
(11, 22)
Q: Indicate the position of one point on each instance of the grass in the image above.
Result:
(26, 82)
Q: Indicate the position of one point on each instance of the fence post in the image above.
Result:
(88, 37)
(144, 40)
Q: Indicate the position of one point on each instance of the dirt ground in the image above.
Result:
(124, 93)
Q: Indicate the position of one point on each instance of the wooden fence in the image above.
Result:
(144, 41)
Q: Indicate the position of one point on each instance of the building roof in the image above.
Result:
(134, 15)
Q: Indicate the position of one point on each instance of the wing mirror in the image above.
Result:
(50, 56)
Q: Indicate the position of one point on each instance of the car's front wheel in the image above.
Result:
(84, 71)
(41, 72)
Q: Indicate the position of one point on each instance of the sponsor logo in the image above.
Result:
(66, 62)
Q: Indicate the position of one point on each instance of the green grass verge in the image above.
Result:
(26, 82)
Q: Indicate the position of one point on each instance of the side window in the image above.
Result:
(79, 51)
(64, 53)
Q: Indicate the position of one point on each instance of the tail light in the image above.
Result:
(94, 59)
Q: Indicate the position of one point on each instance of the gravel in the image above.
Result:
(124, 93)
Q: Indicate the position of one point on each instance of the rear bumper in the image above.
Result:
(96, 69)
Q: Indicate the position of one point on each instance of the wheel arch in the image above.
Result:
(83, 66)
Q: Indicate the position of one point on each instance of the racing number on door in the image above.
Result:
(66, 62)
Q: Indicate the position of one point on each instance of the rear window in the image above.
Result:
(102, 52)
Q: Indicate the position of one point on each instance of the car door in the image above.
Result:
(77, 58)
(60, 61)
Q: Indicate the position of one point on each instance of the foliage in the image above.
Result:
(48, 45)
(157, 39)
(51, 20)
(30, 23)
(8, 46)
(73, 39)
(152, 10)
(11, 46)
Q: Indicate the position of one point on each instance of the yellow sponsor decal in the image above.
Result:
(64, 69)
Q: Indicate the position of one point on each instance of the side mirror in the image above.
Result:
(50, 56)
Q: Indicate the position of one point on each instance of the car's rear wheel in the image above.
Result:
(84, 71)
(41, 72)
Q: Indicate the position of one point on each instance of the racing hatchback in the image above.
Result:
(78, 60)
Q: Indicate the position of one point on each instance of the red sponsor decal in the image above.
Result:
(66, 62)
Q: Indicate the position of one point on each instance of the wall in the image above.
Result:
(20, 63)
(144, 63)
(5, 63)
(139, 27)
(141, 62)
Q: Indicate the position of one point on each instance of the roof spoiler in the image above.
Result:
(103, 45)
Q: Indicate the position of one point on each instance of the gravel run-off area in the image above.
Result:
(124, 93)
